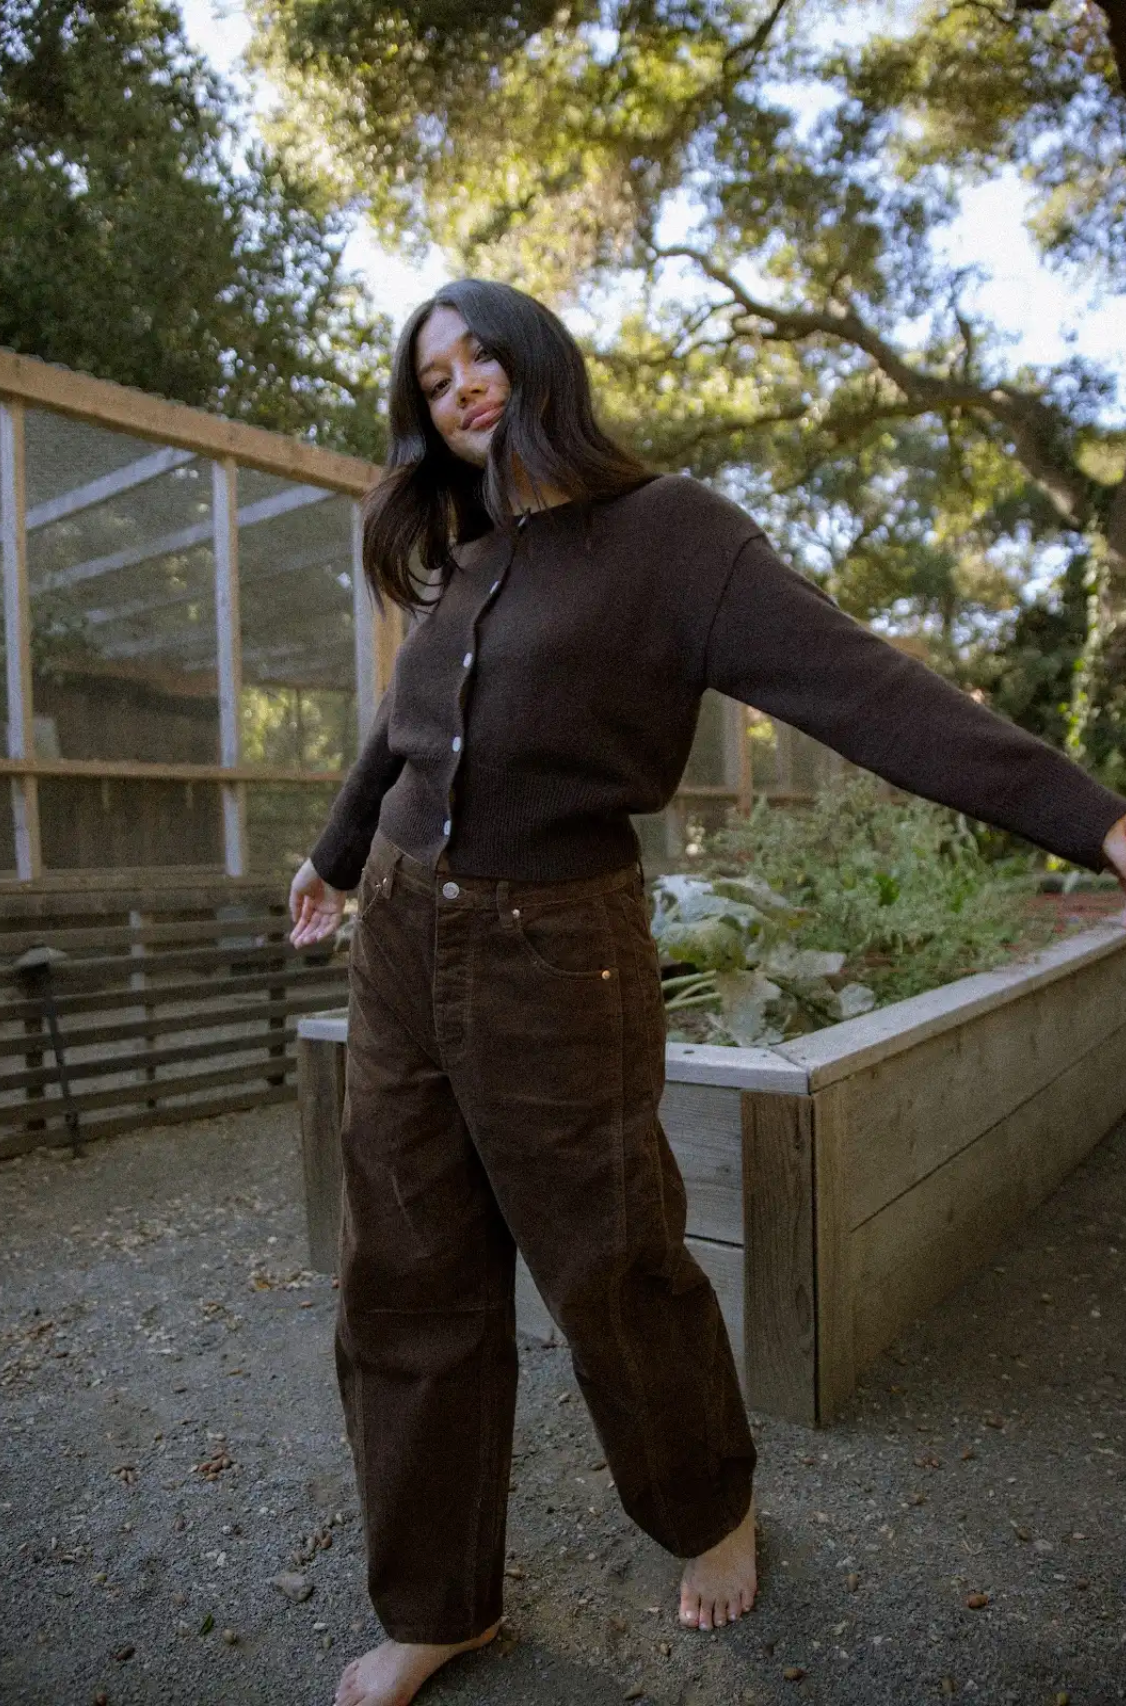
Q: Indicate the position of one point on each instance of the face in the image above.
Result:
(465, 386)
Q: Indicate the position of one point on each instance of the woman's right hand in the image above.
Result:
(317, 909)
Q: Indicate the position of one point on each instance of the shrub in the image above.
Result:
(899, 887)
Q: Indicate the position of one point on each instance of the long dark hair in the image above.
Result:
(429, 499)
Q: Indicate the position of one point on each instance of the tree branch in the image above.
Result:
(732, 59)
(1036, 428)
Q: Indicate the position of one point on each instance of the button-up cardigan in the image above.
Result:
(552, 692)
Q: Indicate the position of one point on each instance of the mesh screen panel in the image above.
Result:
(298, 657)
(282, 823)
(121, 577)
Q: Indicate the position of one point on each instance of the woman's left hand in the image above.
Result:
(1114, 846)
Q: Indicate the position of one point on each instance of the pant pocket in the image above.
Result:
(564, 938)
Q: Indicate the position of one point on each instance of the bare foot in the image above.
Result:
(720, 1585)
(391, 1675)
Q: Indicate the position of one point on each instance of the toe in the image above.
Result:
(706, 1613)
(690, 1610)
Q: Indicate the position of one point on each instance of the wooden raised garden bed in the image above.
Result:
(842, 1184)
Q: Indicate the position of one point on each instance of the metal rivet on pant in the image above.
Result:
(515, 912)
(606, 974)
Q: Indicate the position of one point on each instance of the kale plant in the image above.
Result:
(795, 919)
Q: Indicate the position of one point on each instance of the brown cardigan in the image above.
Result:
(553, 689)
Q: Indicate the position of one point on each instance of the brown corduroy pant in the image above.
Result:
(505, 1067)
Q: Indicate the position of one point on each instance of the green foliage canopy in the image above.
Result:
(140, 242)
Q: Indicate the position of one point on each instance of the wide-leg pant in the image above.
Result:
(505, 1066)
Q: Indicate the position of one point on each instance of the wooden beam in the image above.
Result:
(229, 644)
(106, 486)
(184, 539)
(137, 770)
(17, 634)
(832, 1245)
(781, 1291)
(320, 1095)
(118, 407)
(363, 631)
(746, 769)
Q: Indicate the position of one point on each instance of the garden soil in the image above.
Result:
(171, 1445)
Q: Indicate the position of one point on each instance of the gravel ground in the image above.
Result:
(170, 1442)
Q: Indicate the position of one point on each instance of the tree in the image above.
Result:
(139, 242)
(813, 311)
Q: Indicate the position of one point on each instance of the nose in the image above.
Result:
(467, 385)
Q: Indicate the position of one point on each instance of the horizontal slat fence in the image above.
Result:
(172, 1001)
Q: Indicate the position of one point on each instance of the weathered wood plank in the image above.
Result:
(704, 1128)
(909, 1112)
(918, 1248)
(113, 971)
(52, 1107)
(780, 1332)
(842, 1050)
(724, 1266)
(103, 939)
(16, 602)
(836, 1368)
(60, 894)
(113, 1065)
(171, 1024)
(320, 1092)
(144, 770)
(299, 977)
(735, 1068)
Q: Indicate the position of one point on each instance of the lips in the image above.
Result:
(483, 418)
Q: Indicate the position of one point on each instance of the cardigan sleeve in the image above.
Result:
(342, 849)
(779, 643)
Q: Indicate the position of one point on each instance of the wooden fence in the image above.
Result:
(141, 1005)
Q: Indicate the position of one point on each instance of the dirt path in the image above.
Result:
(170, 1441)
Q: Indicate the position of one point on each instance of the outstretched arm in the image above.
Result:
(777, 642)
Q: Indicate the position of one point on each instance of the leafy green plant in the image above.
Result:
(792, 920)
(750, 984)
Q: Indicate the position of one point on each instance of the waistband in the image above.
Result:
(389, 864)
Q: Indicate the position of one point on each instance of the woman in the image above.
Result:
(506, 1025)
